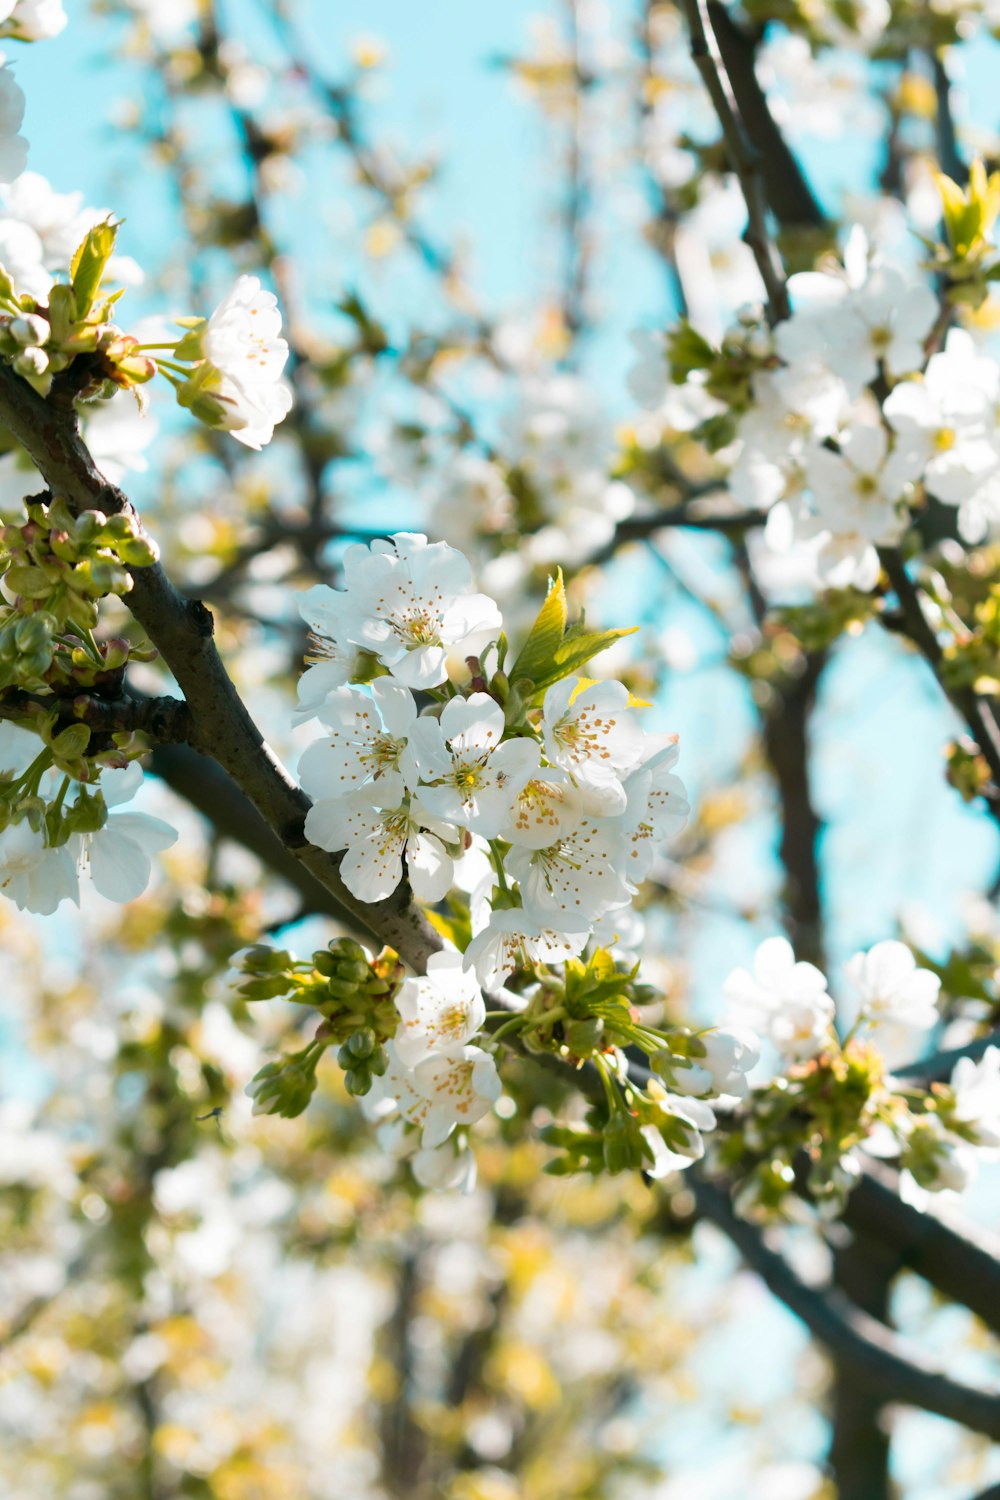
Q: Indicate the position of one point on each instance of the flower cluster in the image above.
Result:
(849, 417)
(56, 568)
(836, 1098)
(540, 795)
(548, 776)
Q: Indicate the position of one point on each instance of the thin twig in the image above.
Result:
(743, 154)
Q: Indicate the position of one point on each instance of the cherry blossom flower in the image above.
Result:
(377, 839)
(684, 1120)
(118, 855)
(445, 1089)
(729, 1056)
(409, 602)
(881, 320)
(469, 777)
(333, 658)
(573, 881)
(32, 20)
(593, 738)
(793, 410)
(36, 878)
(13, 147)
(440, 1012)
(977, 1096)
(657, 809)
(544, 809)
(456, 1088)
(892, 988)
(857, 494)
(785, 1000)
(366, 744)
(510, 940)
(238, 386)
(945, 424)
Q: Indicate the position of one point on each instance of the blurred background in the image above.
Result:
(468, 213)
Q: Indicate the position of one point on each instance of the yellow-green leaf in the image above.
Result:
(537, 655)
(89, 261)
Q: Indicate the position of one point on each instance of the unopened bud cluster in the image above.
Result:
(354, 994)
(56, 567)
(41, 340)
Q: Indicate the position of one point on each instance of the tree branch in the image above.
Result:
(165, 721)
(883, 1362)
(743, 154)
(963, 1265)
(182, 630)
(977, 712)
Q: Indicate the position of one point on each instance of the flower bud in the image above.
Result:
(29, 330)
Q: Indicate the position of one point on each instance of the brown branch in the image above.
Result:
(886, 1365)
(963, 1265)
(977, 711)
(182, 630)
(207, 788)
(949, 156)
(165, 721)
(859, 1440)
(791, 199)
(743, 154)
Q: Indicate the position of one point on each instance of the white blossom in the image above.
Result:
(469, 776)
(977, 1096)
(244, 355)
(854, 329)
(592, 736)
(377, 839)
(440, 1011)
(892, 988)
(571, 882)
(457, 1088)
(545, 808)
(657, 809)
(366, 744)
(729, 1056)
(510, 940)
(13, 147)
(118, 855)
(36, 878)
(333, 658)
(409, 602)
(33, 20)
(782, 999)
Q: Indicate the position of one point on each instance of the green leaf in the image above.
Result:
(536, 658)
(576, 651)
(87, 267)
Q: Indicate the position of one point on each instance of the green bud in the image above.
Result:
(346, 947)
(358, 1083)
(71, 742)
(341, 989)
(379, 1061)
(363, 1043)
(35, 632)
(351, 971)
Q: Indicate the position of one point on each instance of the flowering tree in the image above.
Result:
(461, 952)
